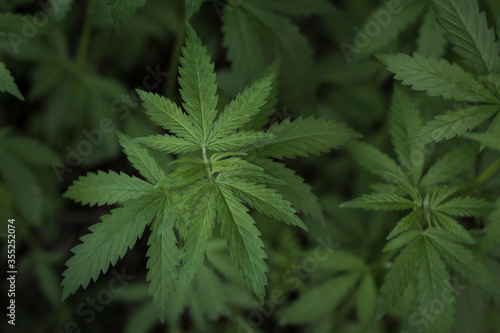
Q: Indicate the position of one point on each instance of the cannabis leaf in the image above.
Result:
(223, 170)
(394, 21)
(467, 29)
(437, 77)
(343, 272)
(431, 233)
(256, 34)
(191, 7)
(7, 83)
(212, 294)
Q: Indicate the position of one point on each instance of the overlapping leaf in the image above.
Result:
(108, 242)
(437, 78)
(107, 188)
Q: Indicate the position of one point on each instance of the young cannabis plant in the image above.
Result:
(226, 164)
(430, 234)
(477, 89)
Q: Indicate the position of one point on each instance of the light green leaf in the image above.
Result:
(266, 111)
(168, 115)
(404, 121)
(456, 122)
(380, 202)
(107, 188)
(465, 206)
(233, 165)
(468, 31)
(437, 77)
(487, 139)
(405, 223)
(295, 190)
(398, 277)
(376, 162)
(199, 232)
(242, 238)
(168, 144)
(242, 109)
(443, 192)
(163, 259)
(433, 283)
(265, 200)
(140, 159)
(402, 240)
(240, 140)
(198, 87)
(247, 175)
(108, 242)
(453, 230)
(302, 137)
(450, 165)
(463, 261)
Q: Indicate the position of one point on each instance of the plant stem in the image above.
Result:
(174, 61)
(83, 45)
(483, 177)
(206, 163)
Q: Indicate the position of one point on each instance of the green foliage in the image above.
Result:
(191, 7)
(468, 31)
(122, 10)
(437, 78)
(25, 160)
(7, 83)
(430, 233)
(256, 34)
(212, 189)
(212, 169)
(476, 45)
(212, 294)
